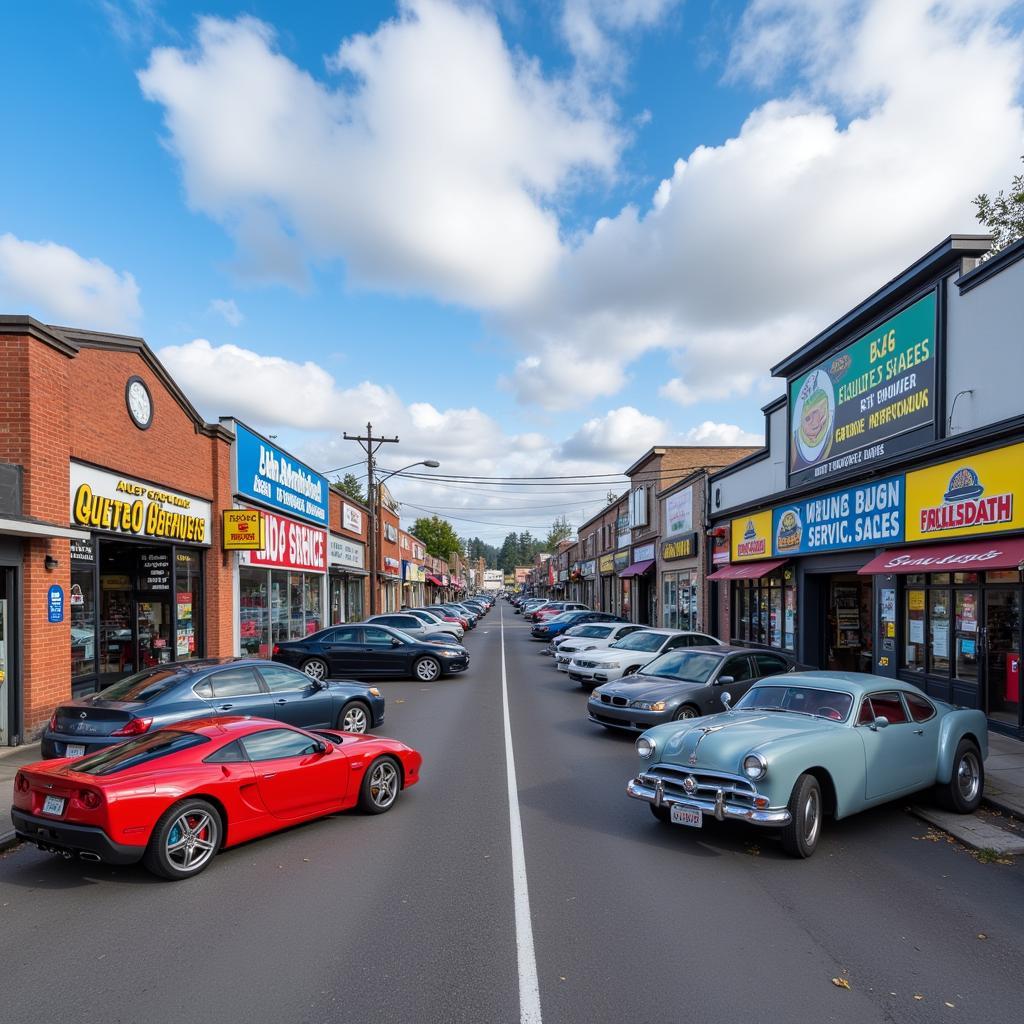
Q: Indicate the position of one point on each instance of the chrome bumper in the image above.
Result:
(717, 808)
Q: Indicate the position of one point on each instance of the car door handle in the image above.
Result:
(283, 700)
(225, 707)
(269, 775)
(919, 732)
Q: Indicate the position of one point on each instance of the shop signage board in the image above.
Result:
(679, 512)
(589, 568)
(118, 504)
(83, 550)
(607, 565)
(290, 545)
(720, 545)
(969, 496)
(351, 518)
(871, 400)
(868, 515)
(681, 547)
(621, 560)
(155, 570)
(243, 530)
(269, 476)
(55, 604)
(344, 552)
(644, 553)
(752, 537)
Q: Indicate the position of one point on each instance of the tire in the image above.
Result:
(380, 786)
(963, 791)
(427, 669)
(800, 836)
(316, 668)
(685, 712)
(661, 813)
(355, 717)
(169, 853)
(631, 670)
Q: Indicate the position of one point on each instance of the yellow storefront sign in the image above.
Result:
(752, 537)
(607, 565)
(244, 530)
(970, 496)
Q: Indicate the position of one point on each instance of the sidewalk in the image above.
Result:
(11, 759)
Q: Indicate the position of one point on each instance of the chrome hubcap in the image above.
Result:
(354, 720)
(315, 669)
(688, 713)
(811, 818)
(384, 784)
(192, 840)
(426, 670)
(968, 777)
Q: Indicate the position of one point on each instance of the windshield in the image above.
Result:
(563, 617)
(806, 700)
(143, 686)
(404, 637)
(133, 753)
(686, 666)
(640, 642)
(599, 632)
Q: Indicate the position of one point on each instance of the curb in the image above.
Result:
(972, 832)
(997, 803)
(7, 840)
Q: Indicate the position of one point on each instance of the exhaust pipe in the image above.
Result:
(89, 856)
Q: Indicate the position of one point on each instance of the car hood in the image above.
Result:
(617, 654)
(650, 688)
(722, 741)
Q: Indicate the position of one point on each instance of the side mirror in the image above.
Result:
(879, 723)
(320, 684)
(722, 680)
(323, 747)
(727, 700)
(395, 642)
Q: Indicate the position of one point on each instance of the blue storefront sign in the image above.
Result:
(869, 515)
(55, 604)
(271, 477)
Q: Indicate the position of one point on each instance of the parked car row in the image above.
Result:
(738, 734)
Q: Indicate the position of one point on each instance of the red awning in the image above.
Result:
(748, 570)
(436, 580)
(636, 569)
(972, 555)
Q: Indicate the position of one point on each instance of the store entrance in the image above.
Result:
(846, 637)
(1001, 651)
(136, 617)
(6, 651)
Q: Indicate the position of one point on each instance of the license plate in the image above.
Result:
(53, 805)
(691, 816)
(74, 749)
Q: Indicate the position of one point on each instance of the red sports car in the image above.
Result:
(174, 797)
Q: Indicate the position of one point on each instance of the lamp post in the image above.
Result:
(373, 533)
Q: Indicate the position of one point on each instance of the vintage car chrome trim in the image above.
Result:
(718, 808)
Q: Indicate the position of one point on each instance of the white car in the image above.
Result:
(436, 622)
(593, 636)
(625, 656)
(412, 626)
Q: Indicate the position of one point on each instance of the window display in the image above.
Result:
(764, 610)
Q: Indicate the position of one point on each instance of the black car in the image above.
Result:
(685, 683)
(360, 650)
(165, 694)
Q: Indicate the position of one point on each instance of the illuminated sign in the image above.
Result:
(243, 530)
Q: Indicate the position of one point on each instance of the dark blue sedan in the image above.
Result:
(553, 627)
(159, 696)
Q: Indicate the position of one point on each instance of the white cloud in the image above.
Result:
(711, 433)
(434, 168)
(58, 285)
(624, 433)
(593, 29)
(228, 309)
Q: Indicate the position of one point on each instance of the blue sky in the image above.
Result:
(529, 238)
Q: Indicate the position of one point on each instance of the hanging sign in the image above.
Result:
(55, 604)
(243, 530)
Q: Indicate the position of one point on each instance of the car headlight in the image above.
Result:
(611, 664)
(374, 692)
(595, 695)
(755, 767)
(449, 654)
(645, 748)
(645, 705)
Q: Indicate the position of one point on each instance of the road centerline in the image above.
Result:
(529, 985)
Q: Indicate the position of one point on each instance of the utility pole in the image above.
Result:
(371, 445)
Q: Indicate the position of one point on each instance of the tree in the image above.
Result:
(350, 485)
(1003, 215)
(560, 530)
(508, 556)
(438, 537)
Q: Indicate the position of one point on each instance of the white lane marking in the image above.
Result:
(529, 986)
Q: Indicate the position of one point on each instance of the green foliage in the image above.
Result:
(560, 530)
(438, 536)
(1003, 214)
(476, 548)
(350, 485)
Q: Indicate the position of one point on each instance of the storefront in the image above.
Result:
(639, 589)
(281, 582)
(346, 562)
(679, 566)
(609, 584)
(588, 585)
(414, 580)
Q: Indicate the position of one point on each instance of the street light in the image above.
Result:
(374, 526)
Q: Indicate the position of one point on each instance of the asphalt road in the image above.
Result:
(410, 916)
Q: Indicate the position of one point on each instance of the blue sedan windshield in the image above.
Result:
(807, 700)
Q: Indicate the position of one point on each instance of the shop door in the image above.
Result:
(153, 629)
(1001, 646)
(6, 668)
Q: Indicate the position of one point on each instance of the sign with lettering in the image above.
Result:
(55, 604)
(113, 503)
(271, 477)
(155, 570)
(290, 545)
(752, 537)
(621, 560)
(346, 553)
(873, 399)
(679, 512)
(351, 518)
(243, 530)
(971, 495)
(681, 547)
(643, 553)
(869, 515)
(607, 565)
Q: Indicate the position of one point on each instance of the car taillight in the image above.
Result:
(90, 798)
(53, 722)
(21, 783)
(275, 650)
(135, 727)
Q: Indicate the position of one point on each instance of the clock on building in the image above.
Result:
(139, 402)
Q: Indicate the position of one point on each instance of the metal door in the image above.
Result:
(5, 667)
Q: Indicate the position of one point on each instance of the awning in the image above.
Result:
(748, 570)
(972, 555)
(636, 569)
(436, 580)
(13, 526)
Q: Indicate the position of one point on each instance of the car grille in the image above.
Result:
(586, 664)
(619, 702)
(737, 791)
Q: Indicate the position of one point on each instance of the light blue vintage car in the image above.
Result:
(798, 747)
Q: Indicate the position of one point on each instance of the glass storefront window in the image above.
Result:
(913, 631)
(254, 625)
(938, 629)
(668, 602)
(765, 610)
(354, 600)
(966, 624)
(775, 621)
(312, 604)
(187, 594)
(82, 604)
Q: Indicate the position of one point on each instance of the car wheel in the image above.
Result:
(800, 836)
(631, 670)
(184, 840)
(315, 668)
(380, 786)
(686, 711)
(963, 791)
(354, 717)
(661, 813)
(427, 670)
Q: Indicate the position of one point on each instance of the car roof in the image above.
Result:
(856, 683)
(224, 727)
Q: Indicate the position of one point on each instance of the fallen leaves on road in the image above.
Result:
(919, 997)
(401, 700)
(840, 983)
(982, 935)
(951, 1006)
